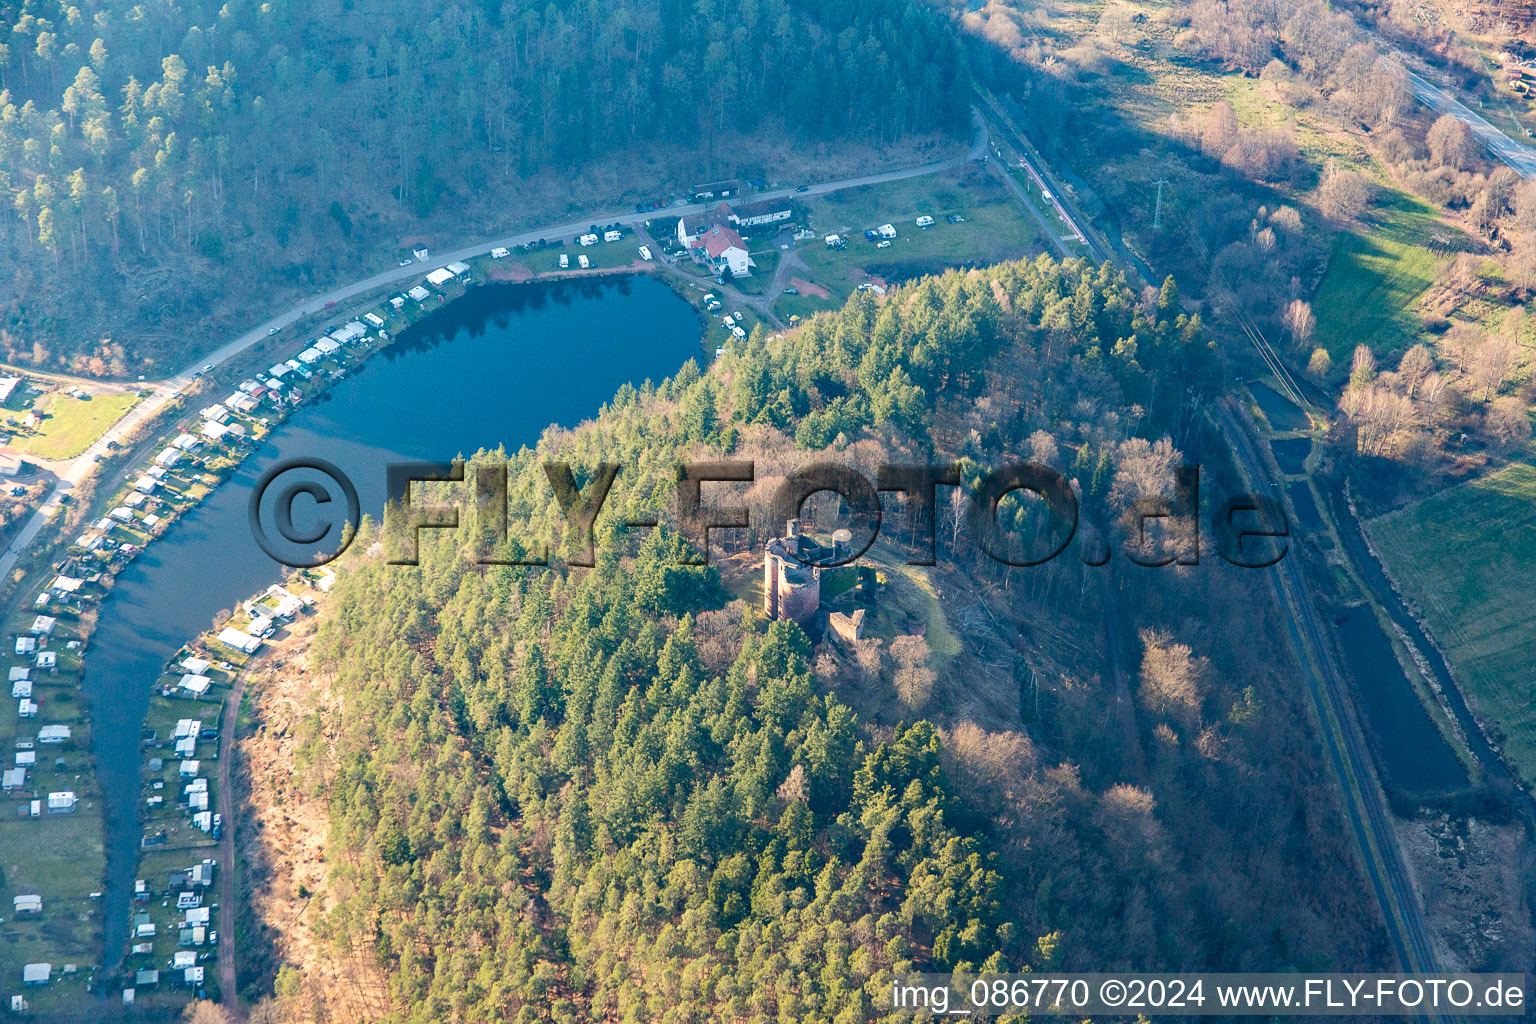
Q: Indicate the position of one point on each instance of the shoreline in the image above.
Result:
(216, 464)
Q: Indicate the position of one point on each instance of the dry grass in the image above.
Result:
(1466, 557)
(282, 840)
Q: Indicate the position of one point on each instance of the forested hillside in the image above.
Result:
(151, 153)
(619, 793)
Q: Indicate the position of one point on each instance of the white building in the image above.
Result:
(768, 211)
(62, 802)
(723, 249)
(439, 277)
(240, 641)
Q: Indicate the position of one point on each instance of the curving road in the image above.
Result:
(70, 475)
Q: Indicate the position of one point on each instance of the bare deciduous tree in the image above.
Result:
(1173, 680)
(1344, 194)
(1042, 448)
(1377, 414)
(1416, 364)
(913, 678)
(1492, 363)
(1461, 342)
(1507, 423)
(1300, 322)
(201, 1011)
(1220, 132)
(1362, 366)
(1451, 144)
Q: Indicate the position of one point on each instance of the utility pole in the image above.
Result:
(1157, 215)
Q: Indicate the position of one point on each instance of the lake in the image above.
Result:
(495, 367)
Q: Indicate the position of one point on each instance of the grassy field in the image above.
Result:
(1375, 278)
(994, 230)
(70, 424)
(943, 644)
(1466, 556)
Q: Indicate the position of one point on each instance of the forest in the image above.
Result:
(620, 792)
(150, 154)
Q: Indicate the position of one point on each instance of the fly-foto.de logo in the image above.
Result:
(1019, 513)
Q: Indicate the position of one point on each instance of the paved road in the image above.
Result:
(1521, 158)
(70, 475)
(396, 275)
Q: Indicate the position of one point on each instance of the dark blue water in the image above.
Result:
(1308, 517)
(1291, 454)
(1282, 413)
(1415, 756)
(494, 368)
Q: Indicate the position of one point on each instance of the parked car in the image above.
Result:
(791, 291)
(885, 244)
(271, 331)
(803, 188)
(407, 261)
